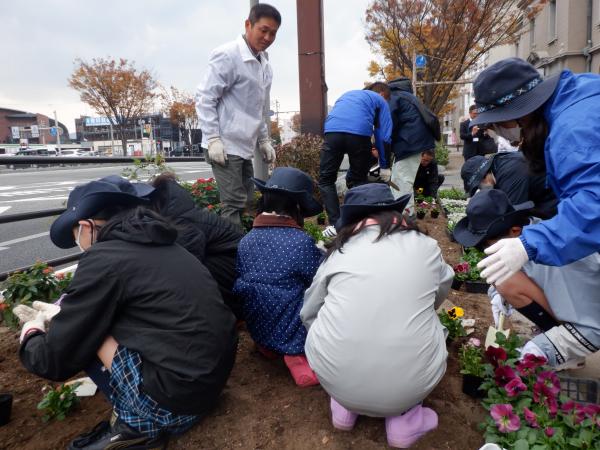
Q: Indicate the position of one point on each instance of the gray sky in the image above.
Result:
(173, 38)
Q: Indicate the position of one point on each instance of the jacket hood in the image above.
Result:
(570, 90)
(141, 226)
(401, 84)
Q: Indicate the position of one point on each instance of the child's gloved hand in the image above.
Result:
(24, 313)
(49, 310)
(37, 323)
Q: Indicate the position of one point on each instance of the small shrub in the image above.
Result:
(147, 169)
(57, 403)
(452, 194)
(466, 269)
(471, 360)
(451, 320)
(314, 231)
(205, 193)
(441, 154)
(303, 153)
(37, 283)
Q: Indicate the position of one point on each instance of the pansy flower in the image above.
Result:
(505, 418)
(515, 386)
(530, 417)
(495, 354)
(503, 375)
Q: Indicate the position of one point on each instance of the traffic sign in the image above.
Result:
(53, 131)
(420, 61)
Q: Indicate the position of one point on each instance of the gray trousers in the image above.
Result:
(236, 188)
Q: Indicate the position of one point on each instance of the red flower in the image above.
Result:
(550, 380)
(591, 410)
(505, 419)
(537, 361)
(462, 267)
(568, 406)
(530, 417)
(503, 374)
(47, 270)
(209, 188)
(60, 276)
(525, 368)
(514, 387)
(209, 207)
(495, 354)
(549, 431)
(3, 306)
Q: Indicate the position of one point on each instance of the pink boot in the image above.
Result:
(301, 372)
(403, 431)
(341, 418)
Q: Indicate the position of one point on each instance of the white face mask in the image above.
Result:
(512, 135)
(78, 238)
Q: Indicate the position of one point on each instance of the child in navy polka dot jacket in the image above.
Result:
(276, 262)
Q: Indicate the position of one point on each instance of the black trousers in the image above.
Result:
(358, 149)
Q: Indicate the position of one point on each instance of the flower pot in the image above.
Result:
(456, 284)
(434, 214)
(5, 408)
(470, 386)
(420, 214)
(477, 287)
(321, 220)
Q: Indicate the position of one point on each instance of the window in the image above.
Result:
(551, 20)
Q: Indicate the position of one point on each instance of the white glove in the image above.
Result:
(266, 150)
(385, 175)
(216, 151)
(49, 310)
(37, 323)
(24, 313)
(500, 306)
(531, 347)
(507, 256)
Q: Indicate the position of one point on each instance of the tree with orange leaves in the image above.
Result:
(116, 90)
(453, 34)
(181, 109)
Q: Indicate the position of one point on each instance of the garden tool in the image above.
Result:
(374, 177)
(490, 338)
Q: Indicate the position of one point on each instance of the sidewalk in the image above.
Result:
(452, 171)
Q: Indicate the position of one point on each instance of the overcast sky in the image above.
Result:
(173, 38)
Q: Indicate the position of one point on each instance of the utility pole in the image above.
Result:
(112, 141)
(414, 71)
(57, 128)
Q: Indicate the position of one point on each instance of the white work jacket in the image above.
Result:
(231, 99)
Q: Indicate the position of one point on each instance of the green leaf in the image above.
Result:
(521, 444)
(540, 447)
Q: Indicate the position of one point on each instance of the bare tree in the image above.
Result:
(453, 34)
(116, 90)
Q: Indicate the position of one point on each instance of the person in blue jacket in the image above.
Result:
(276, 262)
(356, 117)
(557, 121)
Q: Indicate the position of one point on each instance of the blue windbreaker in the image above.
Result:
(364, 113)
(572, 153)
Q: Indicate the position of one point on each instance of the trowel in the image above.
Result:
(490, 338)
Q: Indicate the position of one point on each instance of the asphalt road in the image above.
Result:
(22, 243)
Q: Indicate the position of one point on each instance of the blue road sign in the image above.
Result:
(420, 61)
(53, 131)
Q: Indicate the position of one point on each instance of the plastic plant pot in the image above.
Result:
(5, 408)
(434, 214)
(470, 386)
(477, 287)
(420, 214)
(456, 284)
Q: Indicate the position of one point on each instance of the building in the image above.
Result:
(21, 127)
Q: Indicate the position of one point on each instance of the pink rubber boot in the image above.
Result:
(341, 418)
(403, 431)
(301, 372)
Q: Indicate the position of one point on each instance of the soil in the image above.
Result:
(261, 407)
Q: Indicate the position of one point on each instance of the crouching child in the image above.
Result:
(142, 316)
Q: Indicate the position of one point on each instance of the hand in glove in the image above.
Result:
(385, 175)
(507, 256)
(24, 313)
(216, 151)
(37, 323)
(49, 310)
(266, 150)
(500, 306)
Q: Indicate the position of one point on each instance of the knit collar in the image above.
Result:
(272, 220)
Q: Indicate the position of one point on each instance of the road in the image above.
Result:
(21, 243)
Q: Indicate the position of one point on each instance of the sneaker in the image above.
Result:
(341, 418)
(330, 232)
(301, 372)
(119, 436)
(404, 430)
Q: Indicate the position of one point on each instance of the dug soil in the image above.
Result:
(261, 407)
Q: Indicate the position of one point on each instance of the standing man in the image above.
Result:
(231, 104)
(476, 139)
(355, 117)
(410, 137)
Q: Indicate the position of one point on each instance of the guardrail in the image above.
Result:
(55, 160)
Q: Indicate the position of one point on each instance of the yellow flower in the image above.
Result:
(420, 191)
(456, 312)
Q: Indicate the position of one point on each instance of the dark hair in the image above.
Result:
(261, 10)
(389, 221)
(282, 204)
(472, 107)
(428, 152)
(380, 87)
(160, 197)
(535, 133)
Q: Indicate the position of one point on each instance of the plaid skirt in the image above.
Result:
(137, 409)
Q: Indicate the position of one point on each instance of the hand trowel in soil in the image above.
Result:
(490, 338)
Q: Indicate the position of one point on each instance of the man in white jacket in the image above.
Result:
(231, 102)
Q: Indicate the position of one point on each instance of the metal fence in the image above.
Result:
(33, 161)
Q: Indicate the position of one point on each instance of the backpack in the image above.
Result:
(430, 119)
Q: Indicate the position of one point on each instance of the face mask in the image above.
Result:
(510, 134)
(78, 238)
